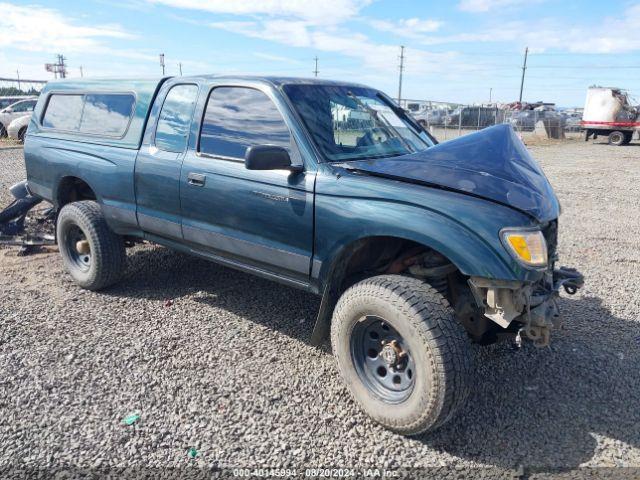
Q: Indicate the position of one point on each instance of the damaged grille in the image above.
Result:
(550, 233)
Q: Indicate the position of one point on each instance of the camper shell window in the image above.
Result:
(91, 113)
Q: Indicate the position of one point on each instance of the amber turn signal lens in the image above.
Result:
(528, 247)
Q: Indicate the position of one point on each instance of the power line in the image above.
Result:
(589, 67)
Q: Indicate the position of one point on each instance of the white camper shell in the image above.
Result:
(608, 111)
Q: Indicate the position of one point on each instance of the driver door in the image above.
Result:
(260, 219)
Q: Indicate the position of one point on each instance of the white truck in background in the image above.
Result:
(608, 111)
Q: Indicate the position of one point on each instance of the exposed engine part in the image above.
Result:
(502, 301)
(534, 306)
(569, 278)
(428, 265)
(540, 321)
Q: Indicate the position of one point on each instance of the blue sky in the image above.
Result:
(455, 50)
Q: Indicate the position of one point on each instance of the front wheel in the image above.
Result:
(93, 255)
(403, 355)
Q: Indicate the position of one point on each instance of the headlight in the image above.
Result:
(527, 246)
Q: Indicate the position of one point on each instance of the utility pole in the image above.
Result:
(162, 63)
(524, 69)
(401, 68)
(180, 67)
(315, 72)
(62, 66)
(81, 74)
(490, 92)
(18, 74)
(58, 68)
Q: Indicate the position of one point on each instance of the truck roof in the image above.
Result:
(105, 83)
(144, 90)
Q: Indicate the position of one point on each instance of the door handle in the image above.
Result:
(196, 179)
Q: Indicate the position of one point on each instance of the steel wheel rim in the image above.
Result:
(382, 359)
(73, 235)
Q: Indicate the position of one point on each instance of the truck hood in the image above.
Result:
(492, 164)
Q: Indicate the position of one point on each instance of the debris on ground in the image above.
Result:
(24, 226)
(131, 419)
(192, 452)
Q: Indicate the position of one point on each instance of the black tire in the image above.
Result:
(21, 134)
(616, 138)
(436, 344)
(80, 221)
(628, 136)
(3, 131)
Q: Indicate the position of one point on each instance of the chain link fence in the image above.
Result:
(20, 87)
(447, 120)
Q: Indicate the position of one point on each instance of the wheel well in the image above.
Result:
(391, 255)
(73, 189)
(379, 255)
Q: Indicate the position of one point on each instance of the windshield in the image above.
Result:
(352, 123)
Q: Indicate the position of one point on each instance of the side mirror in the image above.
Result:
(7, 110)
(268, 157)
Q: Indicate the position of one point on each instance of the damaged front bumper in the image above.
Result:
(532, 306)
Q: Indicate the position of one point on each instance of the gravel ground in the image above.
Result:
(227, 368)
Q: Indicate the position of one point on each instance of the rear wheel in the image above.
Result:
(92, 254)
(628, 136)
(404, 357)
(616, 138)
(3, 131)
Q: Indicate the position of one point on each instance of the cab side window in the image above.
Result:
(239, 117)
(174, 121)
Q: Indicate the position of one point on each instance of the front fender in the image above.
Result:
(465, 229)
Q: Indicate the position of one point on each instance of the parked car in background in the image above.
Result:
(18, 128)
(13, 111)
(7, 100)
(431, 117)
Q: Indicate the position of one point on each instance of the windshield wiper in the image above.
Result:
(382, 121)
(369, 157)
